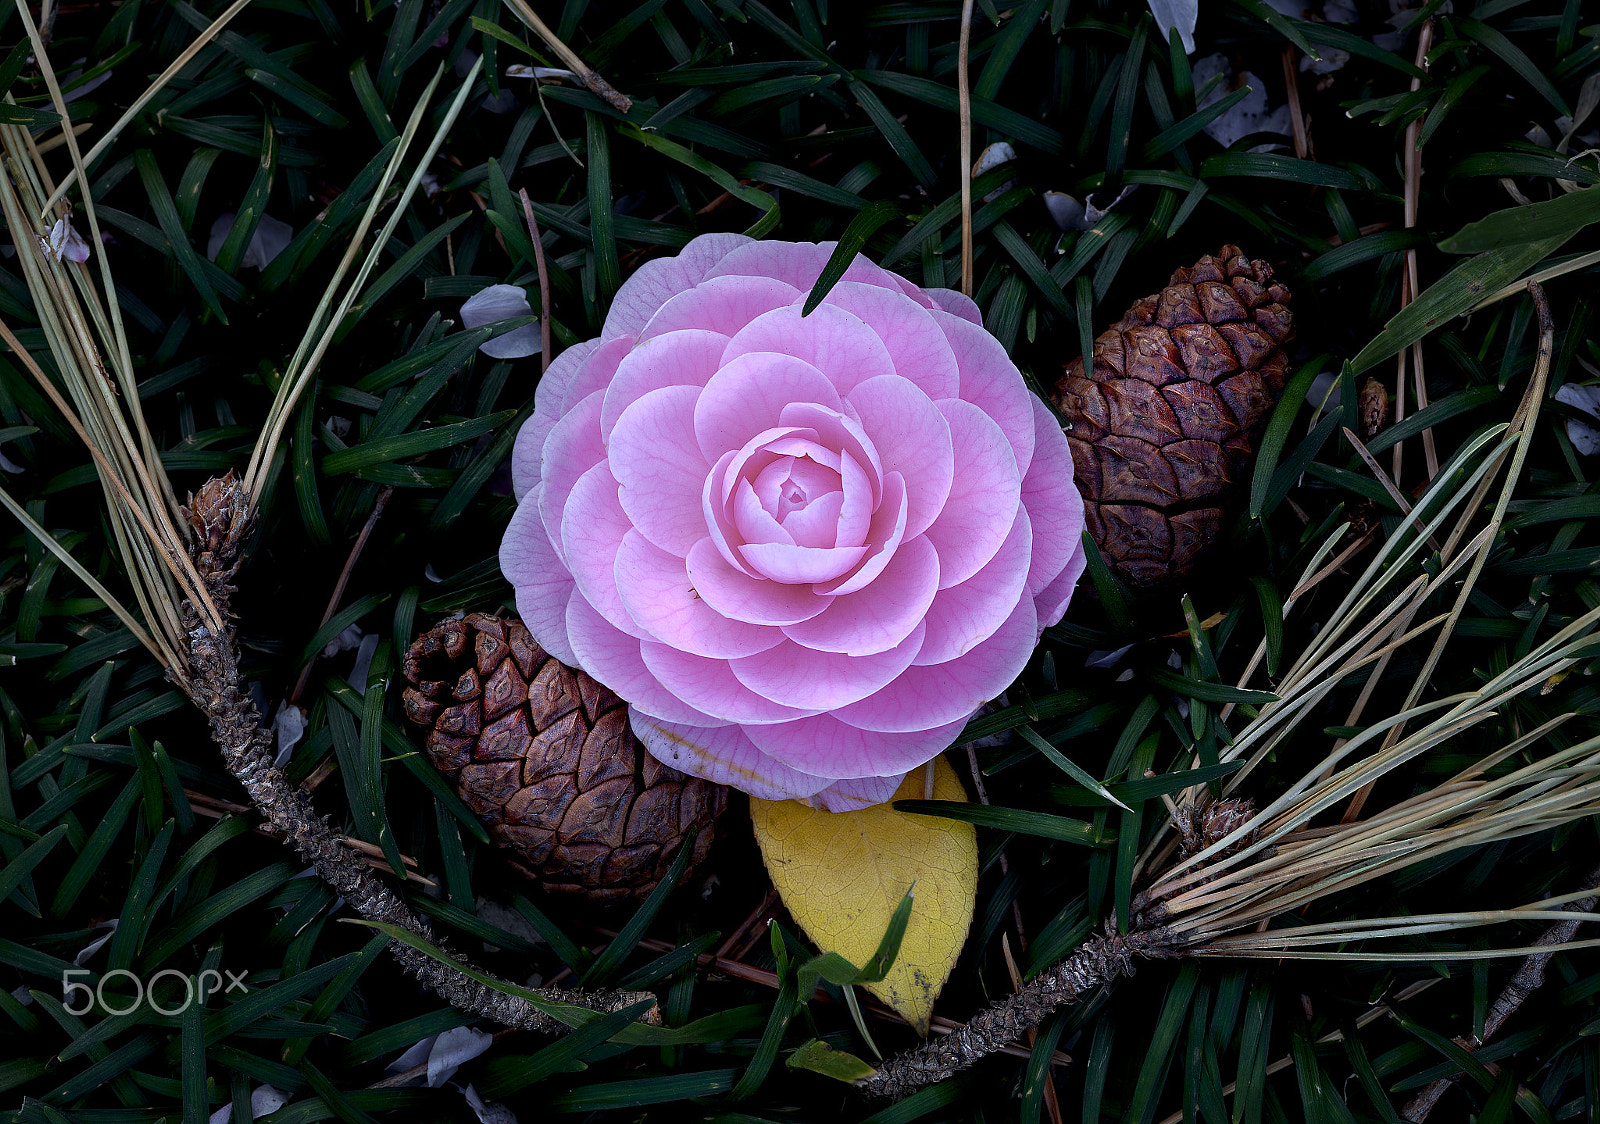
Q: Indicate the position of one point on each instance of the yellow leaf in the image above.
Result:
(841, 875)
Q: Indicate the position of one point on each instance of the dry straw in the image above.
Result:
(181, 559)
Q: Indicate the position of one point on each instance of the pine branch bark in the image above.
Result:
(219, 520)
(1098, 961)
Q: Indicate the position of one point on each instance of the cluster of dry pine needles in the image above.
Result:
(1219, 900)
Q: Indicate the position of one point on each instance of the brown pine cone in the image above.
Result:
(543, 755)
(1168, 418)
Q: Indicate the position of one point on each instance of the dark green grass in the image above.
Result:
(799, 117)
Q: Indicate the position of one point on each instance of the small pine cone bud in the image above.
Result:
(1166, 420)
(1200, 827)
(544, 756)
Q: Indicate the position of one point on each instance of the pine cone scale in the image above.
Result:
(543, 755)
(1165, 420)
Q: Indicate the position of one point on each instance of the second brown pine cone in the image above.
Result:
(1166, 419)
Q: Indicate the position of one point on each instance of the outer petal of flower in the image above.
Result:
(794, 263)
(528, 452)
(656, 591)
(811, 680)
(723, 304)
(965, 615)
(1053, 503)
(748, 394)
(919, 348)
(596, 373)
(990, 381)
(833, 748)
(853, 795)
(956, 303)
(592, 529)
(932, 696)
(614, 658)
(687, 358)
(912, 438)
(832, 340)
(723, 755)
(573, 448)
(542, 583)
(983, 501)
(883, 614)
(1050, 603)
(658, 281)
(711, 686)
(740, 597)
(654, 457)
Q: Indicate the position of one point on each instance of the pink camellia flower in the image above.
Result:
(802, 548)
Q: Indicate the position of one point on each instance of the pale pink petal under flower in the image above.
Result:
(803, 548)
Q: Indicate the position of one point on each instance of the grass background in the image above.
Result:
(817, 113)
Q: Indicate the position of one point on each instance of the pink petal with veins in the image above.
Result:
(658, 281)
(883, 614)
(656, 590)
(748, 394)
(920, 350)
(724, 755)
(912, 438)
(836, 342)
(740, 597)
(807, 679)
(654, 457)
(983, 500)
(687, 358)
(835, 749)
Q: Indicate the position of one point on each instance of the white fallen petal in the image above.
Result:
(1066, 211)
(1093, 214)
(97, 944)
(270, 239)
(288, 727)
(453, 1049)
(503, 302)
(1340, 11)
(1584, 436)
(265, 1099)
(1107, 659)
(1332, 60)
(521, 70)
(88, 87)
(1251, 115)
(488, 1112)
(23, 995)
(9, 465)
(991, 158)
(349, 638)
(363, 665)
(64, 242)
(1324, 392)
(223, 1115)
(1180, 14)
(416, 1054)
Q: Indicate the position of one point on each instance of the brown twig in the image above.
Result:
(221, 518)
(597, 85)
(1409, 285)
(338, 587)
(544, 281)
(1291, 82)
(964, 97)
(1528, 979)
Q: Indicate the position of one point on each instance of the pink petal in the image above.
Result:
(654, 457)
(956, 303)
(740, 597)
(836, 342)
(816, 524)
(710, 686)
(542, 583)
(724, 535)
(884, 536)
(722, 304)
(830, 748)
(723, 755)
(687, 358)
(884, 613)
(920, 350)
(801, 565)
(592, 530)
(596, 373)
(913, 439)
(753, 523)
(1054, 506)
(965, 615)
(990, 381)
(573, 448)
(855, 508)
(983, 500)
(913, 290)
(658, 281)
(1050, 603)
(837, 431)
(548, 395)
(794, 263)
(613, 658)
(749, 393)
(853, 795)
(924, 697)
(657, 593)
(807, 679)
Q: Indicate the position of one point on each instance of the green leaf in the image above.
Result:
(819, 1057)
(1560, 217)
(855, 236)
(1009, 819)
